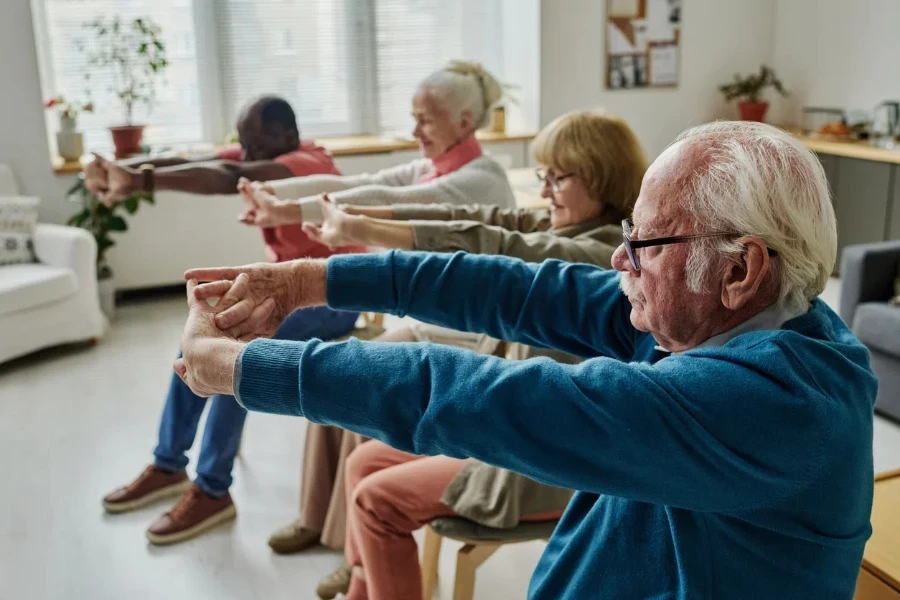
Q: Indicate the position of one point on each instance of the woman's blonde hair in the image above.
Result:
(601, 150)
(465, 86)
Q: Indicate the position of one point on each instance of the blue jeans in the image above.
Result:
(225, 422)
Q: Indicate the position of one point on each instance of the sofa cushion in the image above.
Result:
(31, 285)
(18, 218)
(877, 324)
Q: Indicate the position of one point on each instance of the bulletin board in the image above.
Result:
(642, 44)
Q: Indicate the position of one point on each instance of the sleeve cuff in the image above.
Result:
(269, 378)
(311, 209)
(362, 282)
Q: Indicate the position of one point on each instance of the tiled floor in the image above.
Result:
(76, 422)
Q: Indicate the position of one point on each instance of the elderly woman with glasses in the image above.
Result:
(592, 166)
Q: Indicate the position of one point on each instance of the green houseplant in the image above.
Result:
(749, 89)
(135, 55)
(102, 221)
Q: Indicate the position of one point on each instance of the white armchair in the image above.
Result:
(53, 301)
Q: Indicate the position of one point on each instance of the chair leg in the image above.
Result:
(469, 558)
(430, 559)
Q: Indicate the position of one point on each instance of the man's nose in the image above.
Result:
(621, 262)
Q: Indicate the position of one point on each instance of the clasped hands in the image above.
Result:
(111, 182)
(262, 208)
(230, 306)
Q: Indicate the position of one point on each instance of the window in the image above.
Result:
(176, 115)
(347, 66)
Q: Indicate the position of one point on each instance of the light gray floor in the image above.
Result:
(77, 422)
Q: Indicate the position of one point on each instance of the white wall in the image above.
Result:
(718, 38)
(837, 53)
(23, 140)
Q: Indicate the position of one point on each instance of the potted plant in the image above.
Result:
(498, 114)
(69, 141)
(135, 55)
(101, 221)
(752, 108)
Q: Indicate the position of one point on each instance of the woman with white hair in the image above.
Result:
(449, 106)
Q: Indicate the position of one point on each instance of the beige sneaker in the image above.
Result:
(151, 485)
(195, 512)
(293, 538)
(336, 583)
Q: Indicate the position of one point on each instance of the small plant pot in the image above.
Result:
(127, 140)
(70, 145)
(498, 120)
(106, 290)
(753, 111)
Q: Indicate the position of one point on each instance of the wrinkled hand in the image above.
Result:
(121, 182)
(336, 228)
(208, 355)
(261, 207)
(95, 175)
(261, 295)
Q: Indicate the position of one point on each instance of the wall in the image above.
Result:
(718, 37)
(23, 142)
(837, 53)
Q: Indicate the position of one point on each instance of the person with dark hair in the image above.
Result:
(270, 148)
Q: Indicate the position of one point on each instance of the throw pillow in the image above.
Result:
(18, 218)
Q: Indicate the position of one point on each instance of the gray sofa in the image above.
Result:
(868, 272)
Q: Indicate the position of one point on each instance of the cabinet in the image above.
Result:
(894, 225)
(863, 194)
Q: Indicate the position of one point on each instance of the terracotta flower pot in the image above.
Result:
(127, 140)
(753, 111)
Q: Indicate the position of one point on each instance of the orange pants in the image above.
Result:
(390, 494)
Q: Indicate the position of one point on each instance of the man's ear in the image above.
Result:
(742, 279)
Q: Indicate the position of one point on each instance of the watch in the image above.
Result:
(148, 180)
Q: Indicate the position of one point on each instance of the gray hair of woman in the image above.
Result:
(464, 86)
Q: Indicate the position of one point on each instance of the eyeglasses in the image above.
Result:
(632, 245)
(552, 178)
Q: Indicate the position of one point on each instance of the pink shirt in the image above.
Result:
(289, 242)
(467, 150)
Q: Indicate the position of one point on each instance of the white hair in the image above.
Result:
(465, 86)
(758, 180)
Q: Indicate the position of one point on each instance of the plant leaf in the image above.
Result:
(116, 223)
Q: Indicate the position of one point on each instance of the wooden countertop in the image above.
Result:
(882, 554)
(851, 149)
(350, 146)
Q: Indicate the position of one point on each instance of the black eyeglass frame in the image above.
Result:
(632, 245)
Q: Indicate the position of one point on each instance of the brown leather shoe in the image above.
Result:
(293, 538)
(195, 512)
(336, 583)
(151, 485)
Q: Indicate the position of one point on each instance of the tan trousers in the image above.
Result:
(323, 499)
(323, 505)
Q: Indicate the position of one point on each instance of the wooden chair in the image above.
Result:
(480, 543)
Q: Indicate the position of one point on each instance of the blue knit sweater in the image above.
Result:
(739, 471)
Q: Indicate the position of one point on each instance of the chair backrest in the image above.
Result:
(8, 185)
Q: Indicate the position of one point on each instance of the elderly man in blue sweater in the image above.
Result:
(720, 432)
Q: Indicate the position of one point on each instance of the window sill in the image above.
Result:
(355, 145)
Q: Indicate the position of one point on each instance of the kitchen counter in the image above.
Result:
(861, 149)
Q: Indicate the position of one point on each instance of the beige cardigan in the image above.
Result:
(483, 493)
